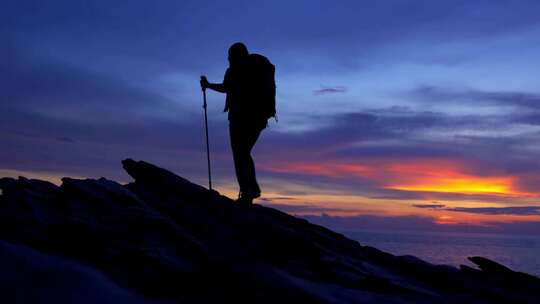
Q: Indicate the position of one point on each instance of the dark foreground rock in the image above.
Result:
(162, 239)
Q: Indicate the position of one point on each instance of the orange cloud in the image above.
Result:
(465, 185)
(445, 220)
(421, 175)
(449, 176)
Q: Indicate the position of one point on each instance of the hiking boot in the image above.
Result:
(244, 201)
(246, 198)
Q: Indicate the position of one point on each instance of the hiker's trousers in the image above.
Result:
(243, 136)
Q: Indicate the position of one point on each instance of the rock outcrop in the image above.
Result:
(163, 239)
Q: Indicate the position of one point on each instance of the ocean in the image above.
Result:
(520, 253)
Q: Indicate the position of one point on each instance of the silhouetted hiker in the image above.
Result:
(251, 91)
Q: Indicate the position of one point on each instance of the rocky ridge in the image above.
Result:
(163, 239)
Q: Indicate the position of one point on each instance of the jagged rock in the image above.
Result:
(163, 238)
(490, 266)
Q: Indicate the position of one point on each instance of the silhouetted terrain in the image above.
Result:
(162, 239)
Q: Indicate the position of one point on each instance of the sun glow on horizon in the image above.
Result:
(451, 176)
(418, 175)
(465, 185)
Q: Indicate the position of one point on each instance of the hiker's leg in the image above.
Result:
(240, 154)
(243, 138)
(251, 176)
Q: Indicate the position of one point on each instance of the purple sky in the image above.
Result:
(376, 100)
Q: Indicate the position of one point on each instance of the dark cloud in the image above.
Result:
(360, 222)
(402, 149)
(36, 142)
(330, 90)
(55, 117)
(418, 223)
(278, 198)
(427, 195)
(339, 130)
(429, 206)
(528, 118)
(396, 133)
(522, 210)
(518, 210)
(303, 209)
(469, 96)
(40, 84)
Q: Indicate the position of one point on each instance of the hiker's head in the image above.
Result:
(237, 53)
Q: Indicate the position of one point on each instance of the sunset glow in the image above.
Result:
(425, 175)
(445, 220)
(465, 185)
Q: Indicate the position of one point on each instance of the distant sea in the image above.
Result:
(520, 253)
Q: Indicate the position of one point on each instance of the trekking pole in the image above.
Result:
(207, 145)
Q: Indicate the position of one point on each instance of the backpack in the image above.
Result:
(263, 85)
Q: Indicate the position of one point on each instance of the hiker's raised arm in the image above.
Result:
(218, 87)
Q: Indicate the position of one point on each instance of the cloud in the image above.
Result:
(522, 210)
(429, 206)
(277, 198)
(353, 138)
(89, 120)
(518, 210)
(330, 90)
(340, 130)
(303, 209)
(38, 84)
(94, 149)
(470, 96)
(528, 118)
(405, 135)
(348, 224)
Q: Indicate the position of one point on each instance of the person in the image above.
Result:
(250, 101)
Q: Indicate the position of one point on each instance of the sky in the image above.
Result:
(392, 114)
